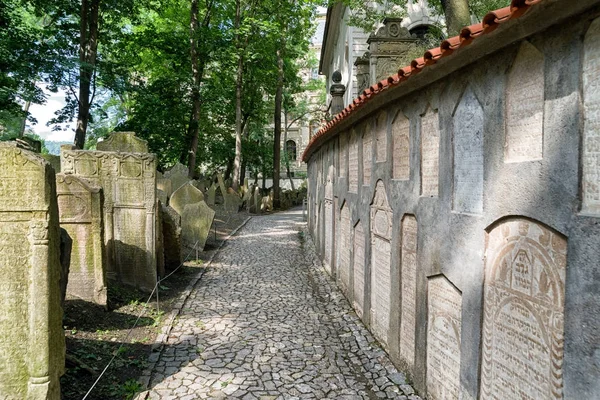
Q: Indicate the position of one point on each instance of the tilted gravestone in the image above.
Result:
(129, 184)
(171, 230)
(80, 211)
(232, 201)
(160, 242)
(32, 345)
(186, 194)
(255, 202)
(196, 221)
(178, 175)
(210, 196)
(125, 142)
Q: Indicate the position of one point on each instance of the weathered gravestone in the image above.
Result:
(53, 160)
(210, 196)
(162, 196)
(186, 194)
(178, 175)
(171, 230)
(196, 221)
(247, 198)
(125, 142)
(164, 184)
(32, 345)
(80, 210)
(232, 201)
(256, 201)
(129, 184)
(160, 242)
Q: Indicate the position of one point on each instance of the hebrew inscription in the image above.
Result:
(443, 339)
(401, 153)
(381, 236)
(591, 130)
(32, 345)
(430, 153)
(523, 312)
(381, 137)
(525, 106)
(359, 269)
(353, 164)
(367, 155)
(468, 155)
(343, 264)
(409, 289)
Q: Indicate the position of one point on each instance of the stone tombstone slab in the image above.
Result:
(367, 142)
(178, 175)
(159, 243)
(468, 155)
(210, 194)
(343, 264)
(128, 181)
(408, 289)
(186, 194)
(591, 129)
(222, 186)
(162, 196)
(381, 137)
(359, 269)
(256, 201)
(430, 153)
(196, 221)
(524, 296)
(164, 184)
(525, 106)
(343, 149)
(80, 214)
(125, 142)
(443, 339)
(171, 229)
(381, 253)
(53, 160)
(232, 201)
(401, 146)
(32, 344)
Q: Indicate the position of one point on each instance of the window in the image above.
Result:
(290, 149)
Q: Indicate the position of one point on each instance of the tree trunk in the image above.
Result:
(193, 127)
(88, 47)
(457, 15)
(287, 156)
(24, 122)
(277, 130)
(238, 101)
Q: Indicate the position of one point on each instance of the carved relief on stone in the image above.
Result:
(430, 153)
(468, 155)
(524, 294)
(443, 339)
(381, 236)
(525, 106)
(408, 289)
(381, 137)
(367, 142)
(387, 66)
(401, 147)
(353, 163)
(343, 264)
(591, 131)
(359, 269)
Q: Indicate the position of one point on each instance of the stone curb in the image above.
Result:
(161, 339)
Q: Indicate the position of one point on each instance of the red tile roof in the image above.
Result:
(467, 35)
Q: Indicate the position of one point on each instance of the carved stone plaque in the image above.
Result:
(343, 264)
(328, 234)
(401, 141)
(353, 163)
(525, 106)
(343, 154)
(443, 339)
(430, 153)
(468, 155)
(591, 130)
(80, 210)
(32, 344)
(408, 289)
(381, 251)
(359, 269)
(381, 137)
(523, 304)
(128, 181)
(367, 154)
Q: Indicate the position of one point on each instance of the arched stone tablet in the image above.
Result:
(186, 194)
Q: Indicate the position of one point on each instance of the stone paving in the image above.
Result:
(266, 322)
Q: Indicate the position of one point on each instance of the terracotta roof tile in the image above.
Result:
(467, 35)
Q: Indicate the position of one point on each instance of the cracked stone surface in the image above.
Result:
(266, 322)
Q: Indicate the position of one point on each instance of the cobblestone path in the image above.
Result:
(265, 322)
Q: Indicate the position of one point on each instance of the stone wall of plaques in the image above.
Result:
(469, 216)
